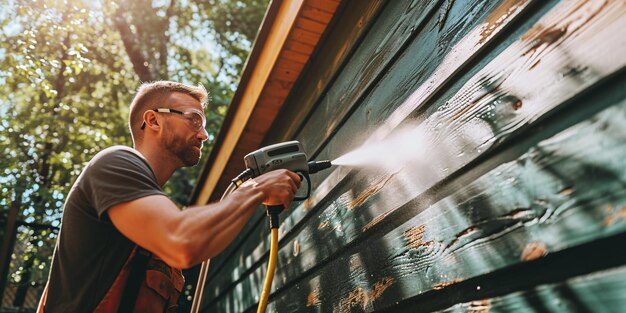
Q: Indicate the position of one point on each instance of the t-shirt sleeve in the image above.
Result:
(117, 177)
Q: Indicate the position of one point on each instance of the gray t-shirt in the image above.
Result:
(90, 251)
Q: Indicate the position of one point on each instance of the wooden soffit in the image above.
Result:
(289, 34)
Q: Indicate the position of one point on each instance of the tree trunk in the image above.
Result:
(8, 242)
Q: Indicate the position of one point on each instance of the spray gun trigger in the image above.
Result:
(304, 177)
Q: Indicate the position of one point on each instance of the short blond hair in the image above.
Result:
(152, 95)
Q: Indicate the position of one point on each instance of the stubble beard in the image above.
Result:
(183, 150)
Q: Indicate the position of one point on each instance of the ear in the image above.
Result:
(152, 120)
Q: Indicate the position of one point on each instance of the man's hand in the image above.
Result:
(278, 187)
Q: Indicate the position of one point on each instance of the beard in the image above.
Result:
(187, 151)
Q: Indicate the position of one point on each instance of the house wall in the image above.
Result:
(512, 197)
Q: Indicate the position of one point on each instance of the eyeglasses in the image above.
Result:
(195, 117)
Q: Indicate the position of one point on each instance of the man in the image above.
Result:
(116, 209)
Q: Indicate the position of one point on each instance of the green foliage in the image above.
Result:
(62, 97)
(234, 25)
(68, 71)
(231, 27)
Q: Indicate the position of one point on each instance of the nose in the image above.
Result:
(203, 135)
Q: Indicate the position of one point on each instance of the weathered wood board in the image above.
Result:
(602, 292)
(368, 239)
(404, 29)
(567, 190)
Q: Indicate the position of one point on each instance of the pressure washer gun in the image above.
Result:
(285, 155)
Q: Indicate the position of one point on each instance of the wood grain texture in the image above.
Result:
(524, 82)
(396, 27)
(364, 180)
(505, 18)
(565, 191)
(598, 292)
(434, 55)
(389, 35)
(455, 147)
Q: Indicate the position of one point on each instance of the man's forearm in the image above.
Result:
(210, 228)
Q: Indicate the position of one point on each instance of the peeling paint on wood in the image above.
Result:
(614, 216)
(479, 306)
(375, 221)
(355, 298)
(442, 285)
(415, 237)
(369, 192)
(534, 250)
(313, 298)
(499, 16)
(567, 191)
(359, 297)
(296, 248)
(380, 287)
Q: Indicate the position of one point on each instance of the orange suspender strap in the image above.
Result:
(135, 278)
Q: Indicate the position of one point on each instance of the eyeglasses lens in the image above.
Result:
(197, 121)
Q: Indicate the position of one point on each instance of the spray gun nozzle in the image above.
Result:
(316, 166)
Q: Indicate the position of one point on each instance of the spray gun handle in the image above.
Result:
(304, 176)
(273, 211)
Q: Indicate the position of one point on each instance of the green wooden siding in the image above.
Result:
(524, 104)
(601, 292)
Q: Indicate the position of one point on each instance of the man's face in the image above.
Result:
(180, 137)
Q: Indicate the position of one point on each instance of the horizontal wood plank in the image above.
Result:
(311, 25)
(304, 36)
(598, 292)
(397, 26)
(299, 47)
(325, 5)
(316, 14)
(297, 57)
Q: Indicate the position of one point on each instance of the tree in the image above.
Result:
(60, 94)
(68, 70)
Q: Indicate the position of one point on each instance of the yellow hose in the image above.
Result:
(271, 267)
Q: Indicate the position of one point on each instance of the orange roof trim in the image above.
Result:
(289, 35)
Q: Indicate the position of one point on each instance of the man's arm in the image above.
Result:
(188, 237)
